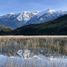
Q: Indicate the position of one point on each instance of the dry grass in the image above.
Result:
(10, 44)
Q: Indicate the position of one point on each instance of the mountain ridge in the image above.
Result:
(14, 21)
(49, 22)
(55, 27)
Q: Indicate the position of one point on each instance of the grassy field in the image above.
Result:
(46, 45)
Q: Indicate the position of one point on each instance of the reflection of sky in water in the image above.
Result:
(36, 61)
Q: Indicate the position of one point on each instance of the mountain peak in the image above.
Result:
(26, 15)
(50, 10)
(12, 13)
(14, 20)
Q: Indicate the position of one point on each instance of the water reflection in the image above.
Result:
(33, 52)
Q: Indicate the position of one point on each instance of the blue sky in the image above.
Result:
(8, 6)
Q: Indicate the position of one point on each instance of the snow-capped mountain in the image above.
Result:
(53, 27)
(26, 15)
(45, 16)
(14, 21)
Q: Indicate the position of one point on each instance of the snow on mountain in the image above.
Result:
(46, 11)
(14, 21)
(26, 15)
(45, 16)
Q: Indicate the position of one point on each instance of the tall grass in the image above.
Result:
(45, 45)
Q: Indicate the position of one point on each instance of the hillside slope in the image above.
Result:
(55, 27)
